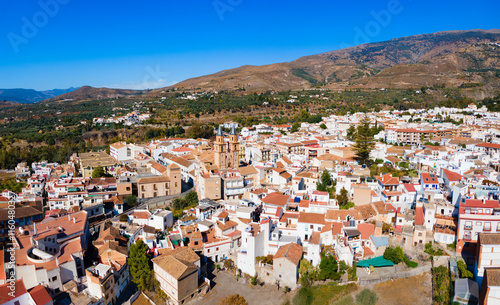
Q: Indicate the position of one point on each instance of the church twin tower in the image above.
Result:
(227, 154)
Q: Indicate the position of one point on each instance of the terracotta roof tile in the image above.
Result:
(291, 251)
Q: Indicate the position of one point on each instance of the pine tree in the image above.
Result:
(140, 268)
(351, 133)
(364, 141)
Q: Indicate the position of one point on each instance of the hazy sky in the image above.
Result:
(154, 43)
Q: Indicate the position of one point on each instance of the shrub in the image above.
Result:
(124, 218)
(366, 297)
(303, 297)
(462, 269)
(395, 255)
(347, 300)
(234, 299)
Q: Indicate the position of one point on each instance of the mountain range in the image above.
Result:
(453, 59)
(29, 96)
(447, 59)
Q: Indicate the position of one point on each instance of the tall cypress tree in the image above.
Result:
(364, 141)
(140, 268)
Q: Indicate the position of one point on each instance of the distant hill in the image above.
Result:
(470, 59)
(29, 96)
(91, 93)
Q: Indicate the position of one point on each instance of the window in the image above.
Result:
(175, 184)
(208, 250)
(468, 225)
(487, 226)
(217, 249)
(498, 226)
(196, 243)
(54, 278)
(311, 227)
(478, 223)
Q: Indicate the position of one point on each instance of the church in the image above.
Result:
(226, 153)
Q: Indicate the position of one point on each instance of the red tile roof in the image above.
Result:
(452, 176)
(291, 251)
(40, 295)
(312, 218)
(477, 203)
(427, 178)
(489, 145)
(276, 199)
(388, 179)
(19, 290)
(315, 238)
(419, 217)
(366, 229)
(409, 187)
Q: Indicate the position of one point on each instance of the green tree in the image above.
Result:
(343, 198)
(351, 133)
(305, 267)
(463, 271)
(366, 297)
(328, 268)
(140, 267)
(131, 200)
(99, 172)
(395, 255)
(326, 179)
(323, 126)
(199, 130)
(295, 127)
(364, 141)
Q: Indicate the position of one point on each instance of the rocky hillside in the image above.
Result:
(470, 59)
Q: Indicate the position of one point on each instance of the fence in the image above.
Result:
(396, 275)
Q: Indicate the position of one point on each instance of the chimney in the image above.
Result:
(34, 229)
(74, 220)
(69, 217)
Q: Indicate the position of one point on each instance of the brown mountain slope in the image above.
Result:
(443, 58)
(91, 93)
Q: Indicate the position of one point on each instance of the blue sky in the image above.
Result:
(155, 43)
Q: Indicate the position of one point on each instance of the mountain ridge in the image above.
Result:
(336, 68)
(29, 96)
(443, 59)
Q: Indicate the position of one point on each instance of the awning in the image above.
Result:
(378, 261)
(445, 222)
